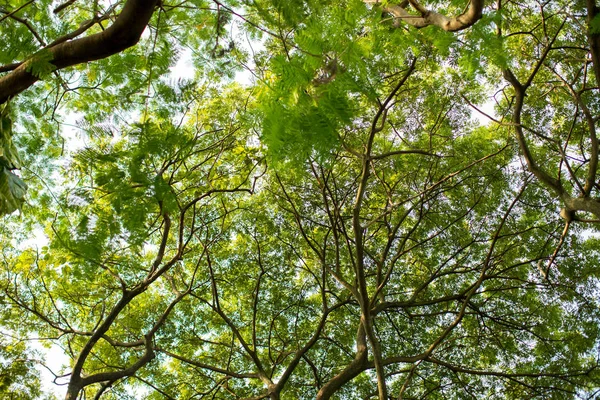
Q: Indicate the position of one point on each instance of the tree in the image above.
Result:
(340, 227)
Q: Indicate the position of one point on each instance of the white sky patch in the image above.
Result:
(56, 361)
(245, 77)
(484, 112)
(72, 132)
(184, 68)
(37, 240)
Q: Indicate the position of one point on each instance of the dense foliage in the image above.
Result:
(348, 199)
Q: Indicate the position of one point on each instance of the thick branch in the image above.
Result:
(427, 17)
(63, 6)
(302, 352)
(116, 375)
(198, 364)
(122, 34)
(358, 365)
(586, 204)
(460, 369)
(363, 298)
(77, 382)
(594, 38)
(551, 183)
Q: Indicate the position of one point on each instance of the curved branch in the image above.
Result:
(551, 183)
(122, 34)
(586, 202)
(198, 364)
(116, 375)
(358, 365)
(464, 370)
(427, 17)
(82, 28)
(77, 381)
(302, 352)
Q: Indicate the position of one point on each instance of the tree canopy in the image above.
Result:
(348, 199)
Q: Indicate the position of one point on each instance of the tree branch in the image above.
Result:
(427, 17)
(13, 12)
(122, 34)
(594, 38)
(358, 365)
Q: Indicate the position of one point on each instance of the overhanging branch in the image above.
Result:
(427, 17)
(122, 34)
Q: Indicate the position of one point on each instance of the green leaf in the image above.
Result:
(40, 64)
(12, 192)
